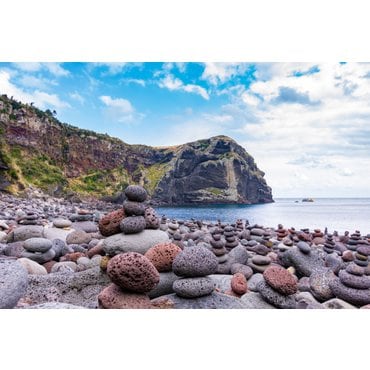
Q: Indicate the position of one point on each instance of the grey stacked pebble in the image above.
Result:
(193, 265)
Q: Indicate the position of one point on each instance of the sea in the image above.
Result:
(337, 214)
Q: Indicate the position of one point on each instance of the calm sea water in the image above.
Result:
(339, 214)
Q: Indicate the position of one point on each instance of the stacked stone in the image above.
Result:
(30, 218)
(193, 264)
(132, 275)
(353, 284)
(329, 244)
(281, 232)
(134, 208)
(218, 246)
(278, 287)
(173, 226)
(231, 240)
(163, 224)
(354, 240)
(39, 250)
(361, 255)
(151, 219)
(318, 237)
(110, 223)
(177, 239)
(239, 225)
(259, 263)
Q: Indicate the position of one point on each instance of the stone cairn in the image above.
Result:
(132, 275)
(278, 287)
(353, 283)
(354, 240)
(259, 263)
(281, 233)
(39, 250)
(193, 264)
(218, 246)
(173, 227)
(329, 244)
(230, 237)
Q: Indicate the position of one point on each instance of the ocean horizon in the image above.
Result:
(337, 214)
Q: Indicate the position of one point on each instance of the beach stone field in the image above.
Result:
(56, 254)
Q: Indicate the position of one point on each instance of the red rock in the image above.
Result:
(281, 280)
(239, 284)
(98, 249)
(114, 297)
(318, 240)
(49, 265)
(133, 271)
(162, 256)
(72, 257)
(109, 224)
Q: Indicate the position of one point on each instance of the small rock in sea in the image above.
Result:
(133, 271)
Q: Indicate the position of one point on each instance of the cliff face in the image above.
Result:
(36, 149)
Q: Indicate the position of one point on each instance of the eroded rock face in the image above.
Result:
(215, 170)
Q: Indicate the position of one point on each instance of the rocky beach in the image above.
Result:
(87, 255)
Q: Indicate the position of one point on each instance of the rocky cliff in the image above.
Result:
(36, 149)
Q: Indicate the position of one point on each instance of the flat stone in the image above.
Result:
(87, 226)
(354, 281)
(275, 298)
(357, 297)
(261, 260)
(140, 243)
(40, 258)
(37, 245)
(210, 301)
(193, 287)
(22, 233)
(62, 223)
(13, 282)
(78, 237)
(113, 297)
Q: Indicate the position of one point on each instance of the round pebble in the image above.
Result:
(162, 256)
(193, 287)
(62, 223)
(37, 245)
(133, 224)
(239, 284)
(281, 280)
(136, 193)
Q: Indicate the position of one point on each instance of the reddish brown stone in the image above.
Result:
(162, 256)
(133, 271)
(49, 265)
(318, 240)
(239, 284)
(113, 297)
(347, 256)
(281, 280)
(98, 249)
(72, 257)
(163, 303)
(109, 224)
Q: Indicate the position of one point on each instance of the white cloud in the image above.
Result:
(134, 81)
(113, 68)
(172, 83)
(76, 96)
(54, 68)
(218, 73)
(36, 82)
(120, 110)
(41, 99)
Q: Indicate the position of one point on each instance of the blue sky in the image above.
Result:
(306, 124)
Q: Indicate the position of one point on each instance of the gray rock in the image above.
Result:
(78, 237)
(255, 300)
(59, 267)
(195, 262)
(62, 222)
(37, 245)
(52, 233)
(222, 282)
(166, 280)
(304, 264)
(79, 288)
(140, 243)
(193, 287)
(13, 282)
(54, 306)
(58, 246)
(87, 226)
(273, 297)
(306, 300)
(357, 297)
(136, 193)
(337, 303)
(133, 224)
(304, 247)
(22, 233)
(32, 267)
(210, 301)
(238, 255)
(319, 285)
(254, 280)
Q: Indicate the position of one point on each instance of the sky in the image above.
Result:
(306, 124)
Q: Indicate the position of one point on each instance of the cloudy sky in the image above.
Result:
(306, 124)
